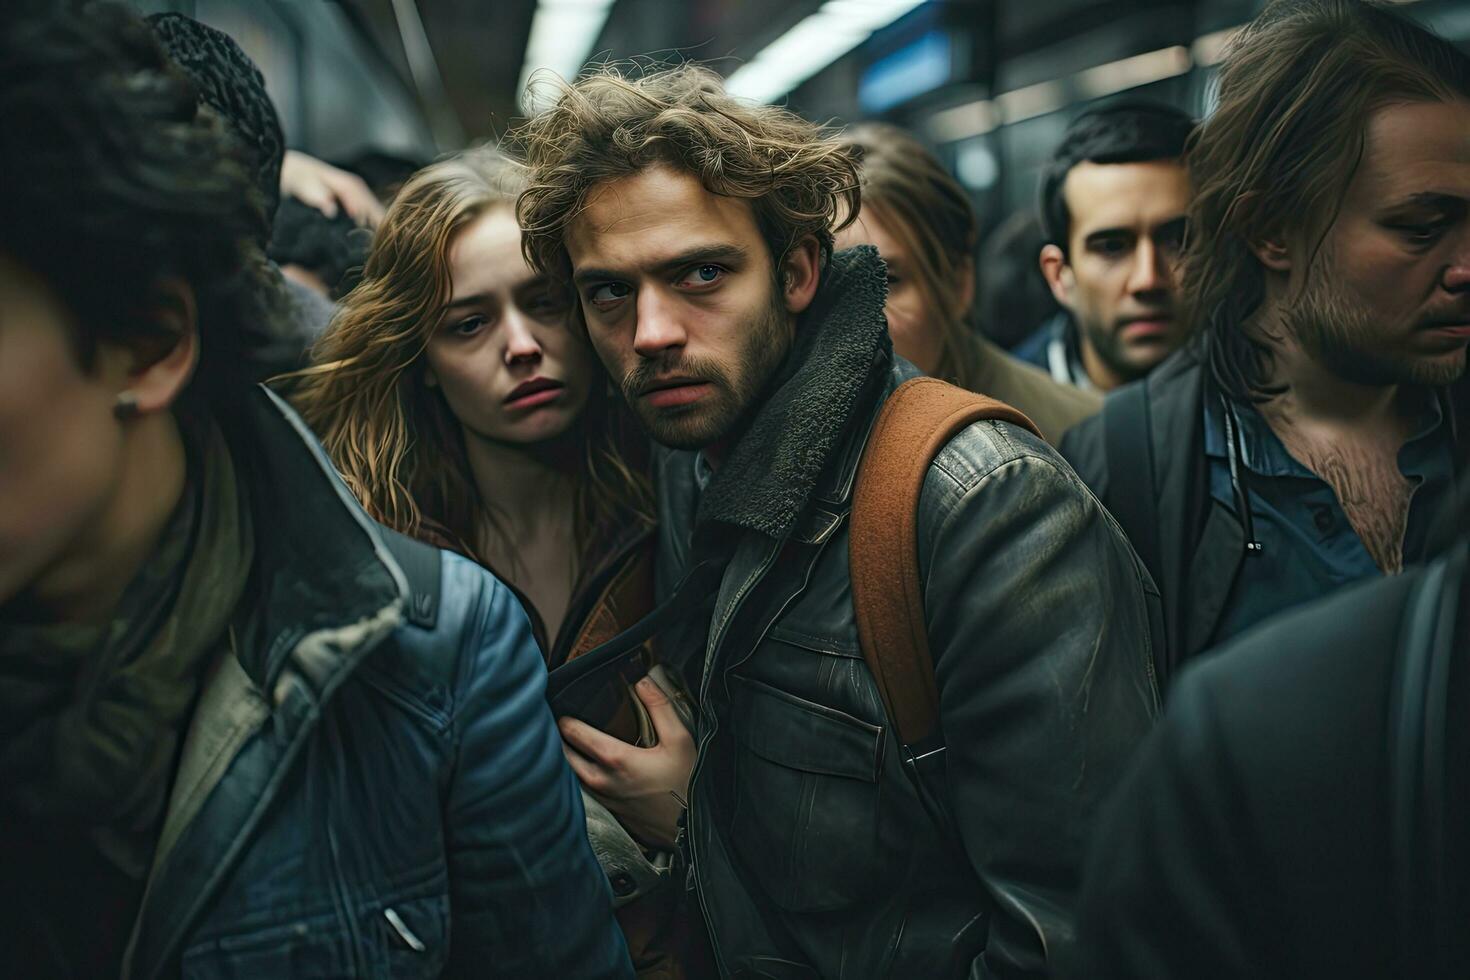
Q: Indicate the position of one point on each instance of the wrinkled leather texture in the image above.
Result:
(811, 850)
(402, 807)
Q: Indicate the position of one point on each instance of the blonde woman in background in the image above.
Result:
(920, 220)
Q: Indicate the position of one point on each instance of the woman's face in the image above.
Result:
(510, 365)
(917, 334)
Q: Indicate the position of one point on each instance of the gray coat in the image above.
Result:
(811, 850)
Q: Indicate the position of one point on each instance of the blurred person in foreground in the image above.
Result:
(231, 743)
(920, 220)
(1306, 440)
(1301, 809)
(1113, 201)
(463, 405)
(697, 231)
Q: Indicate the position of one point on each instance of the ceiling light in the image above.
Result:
(815, 42)
(562, 35)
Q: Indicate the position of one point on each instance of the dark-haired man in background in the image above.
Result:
(1310, 436)
(1113, 198)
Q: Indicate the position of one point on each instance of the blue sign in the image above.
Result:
(918, 67)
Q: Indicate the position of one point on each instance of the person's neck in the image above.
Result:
(86, 584)
(1314, 394)
(529, 485)
(1102, 375)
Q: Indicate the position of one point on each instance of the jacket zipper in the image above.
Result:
(750, 583)
(700, 754)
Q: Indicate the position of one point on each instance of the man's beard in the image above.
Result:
(1106, 340)
(1336, 330)
(735, 389)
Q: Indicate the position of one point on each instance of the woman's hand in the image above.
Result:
(644, 788)
(324, 187)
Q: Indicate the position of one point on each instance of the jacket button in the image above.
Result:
(622, 884)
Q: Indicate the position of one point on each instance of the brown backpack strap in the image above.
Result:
(918, 419)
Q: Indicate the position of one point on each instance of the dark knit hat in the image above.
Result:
(230, 84)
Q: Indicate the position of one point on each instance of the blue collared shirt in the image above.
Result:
(1309, 547)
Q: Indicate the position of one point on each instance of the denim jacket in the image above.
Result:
(363, 793)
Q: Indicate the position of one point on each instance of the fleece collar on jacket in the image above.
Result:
(765, 482)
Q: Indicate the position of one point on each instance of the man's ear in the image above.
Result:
(159, 370)
(800, 272)
(1057, 273)
(1273, 254)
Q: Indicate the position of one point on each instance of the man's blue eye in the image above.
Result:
(702, 275)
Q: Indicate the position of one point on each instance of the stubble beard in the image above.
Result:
(1334, 327)
(736, 388)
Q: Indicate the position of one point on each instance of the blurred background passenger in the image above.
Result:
(232, 86)
(229, 744)
(323, 254)
(459, 398)
(1310, 435)
(920, 220)
(1015, 300)
(1113, 200)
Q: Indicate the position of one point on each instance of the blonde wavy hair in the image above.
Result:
(393, 438)
(605, 126)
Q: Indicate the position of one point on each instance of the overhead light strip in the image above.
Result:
(983, 115)
(815, 42)
(562, 35)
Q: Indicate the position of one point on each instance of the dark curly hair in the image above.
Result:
(1118, 132)
(116, 179)
(798, 180)
(229, 83)
(334, 248)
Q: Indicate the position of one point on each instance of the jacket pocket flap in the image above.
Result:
(800, 734)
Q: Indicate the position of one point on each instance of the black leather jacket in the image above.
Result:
(811, 851)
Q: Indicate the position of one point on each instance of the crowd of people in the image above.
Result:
(619, 551)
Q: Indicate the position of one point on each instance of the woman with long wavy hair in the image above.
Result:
(920, 220)
(460, 400)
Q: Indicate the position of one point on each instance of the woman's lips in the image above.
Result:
(535, 393)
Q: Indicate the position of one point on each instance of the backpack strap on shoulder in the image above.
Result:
(916, 422)
(1128, 454)
(421, 565)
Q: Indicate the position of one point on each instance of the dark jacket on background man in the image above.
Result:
(1053, 349)
(812, 852)
(371, 784)
(1301, 809)
(1145, 457)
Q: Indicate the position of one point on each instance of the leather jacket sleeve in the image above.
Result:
(527, 897)
(1039, 630)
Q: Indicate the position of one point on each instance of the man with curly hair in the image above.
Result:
(697, 232)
